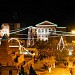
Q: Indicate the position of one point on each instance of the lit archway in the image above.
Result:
(21, 48)
(17, 41)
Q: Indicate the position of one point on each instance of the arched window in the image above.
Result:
(50, 29)
(42, 30)
(53, 29)
(39, 31)
(46, 30)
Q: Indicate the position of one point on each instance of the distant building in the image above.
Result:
(41, 31)
(44, 29)
(8, 28)
(4, 29)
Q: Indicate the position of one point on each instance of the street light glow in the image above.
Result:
(73, 31)
(70, 52)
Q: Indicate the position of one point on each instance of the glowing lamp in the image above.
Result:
(49, 69)
(73, 31)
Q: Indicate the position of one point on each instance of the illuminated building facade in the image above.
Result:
(6, 28)
(44, 29)
(9, 53)
(40, 31)
(5, 52)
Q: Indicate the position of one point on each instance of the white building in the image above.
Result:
(44, 29)
(4, 30)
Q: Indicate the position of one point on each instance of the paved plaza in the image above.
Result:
(38, 68)
(54, 71)
(5, 70)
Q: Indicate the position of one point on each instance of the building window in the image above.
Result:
(46, 30)
(18, 26)
(42, 30)
(53, 29)
(38, 30)
(46, 36)
(49, 30)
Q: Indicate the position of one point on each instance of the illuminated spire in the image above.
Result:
(60, 45)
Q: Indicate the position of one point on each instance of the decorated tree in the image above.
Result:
(61, 56)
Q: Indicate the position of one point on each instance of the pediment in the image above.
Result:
(46, 23)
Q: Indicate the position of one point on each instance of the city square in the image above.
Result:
(45, 49)
(37, 37)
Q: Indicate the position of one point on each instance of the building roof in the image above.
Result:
(46, 23)
(61, 27)
(31, 27)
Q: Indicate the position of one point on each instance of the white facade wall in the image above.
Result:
(42, 33)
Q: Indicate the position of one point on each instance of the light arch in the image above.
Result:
(16, 40)
(20, 47)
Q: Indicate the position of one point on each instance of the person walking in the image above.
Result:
(71, 71)
(10, 72)
(32, 71)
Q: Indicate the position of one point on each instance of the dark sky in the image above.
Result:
(32, 12)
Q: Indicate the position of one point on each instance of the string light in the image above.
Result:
(17, 30)
(60, 45)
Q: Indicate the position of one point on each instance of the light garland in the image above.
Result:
(20, 47)
(61, 44)
(17, 30)
(30, 36)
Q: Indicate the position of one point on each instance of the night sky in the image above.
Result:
(32, 12)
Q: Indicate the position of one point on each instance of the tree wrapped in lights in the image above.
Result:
(61, 44)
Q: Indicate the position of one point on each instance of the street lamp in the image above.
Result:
(33, 54)
(70, 51)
